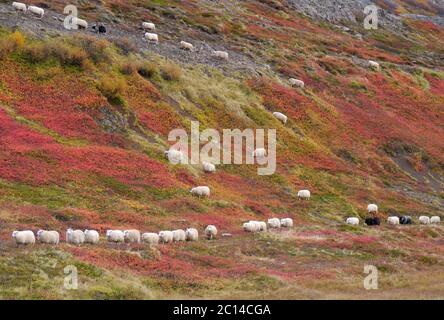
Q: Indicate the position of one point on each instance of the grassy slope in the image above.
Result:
(83, 133)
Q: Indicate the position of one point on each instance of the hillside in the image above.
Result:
(85, 118)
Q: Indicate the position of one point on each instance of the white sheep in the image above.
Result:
(251, 226)
(374, 65)
(372, 208)
(76, 237)
(131, 236)
(220, 54)
(150, 238)
(296, 83)
(192, 234)
(175, 156)
(179, 235)
(274, 223)
(287, 223)
(152, 37)
(208, 167)
(148, 26)
(36, 10)
(304, 194)
(393, 220)
(19, 6)
(435, 219)
(80, 23)
(166, 236)
(91, 236)
(48, 237)
(116, 236)
(186, 46)
(424, 220)
(201, 191)
(353, 221)
(260, 153)
(210, 232)
(262, 226)
(281, 117)
(23, 237)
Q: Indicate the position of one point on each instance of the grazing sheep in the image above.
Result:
(175, 156)
(99, 29)
(352, 221)
(80, 23)
(251, 226)
(304, 194)
(258, 224)
(393, 220)
(281, 117)
(116, 236)
(274, 223)
(152, 37)
(166, 236)
(296, 83)
(150, 238)
(374, 65)
(208, 167)
(424, 220)
(91, 236)
(36, 10)
(260, 153)
(287, 223)
(148, 26)
(76, 237)
(23, 237)
(131, 236)
(405, 220)
(186, 46)
(19, 6)
(220, 54)
(375, 221)
(435, 219)
(262, 226)
(372, 208)
(48, 237)
(211, 232)
(201, 191)
(179, 235)
(192, 234)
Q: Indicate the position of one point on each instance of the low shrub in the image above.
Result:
(125, 45)
(112, 88)
(11, 43)
(63, 53)
(171, 72)
(148, 69)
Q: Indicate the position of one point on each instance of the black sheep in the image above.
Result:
(102, 29)
(372, 221)
(99, 29)
(405, 220)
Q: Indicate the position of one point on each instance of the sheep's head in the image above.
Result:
(39, 233)
(69, 231)
(108, 232)
(14, 234)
